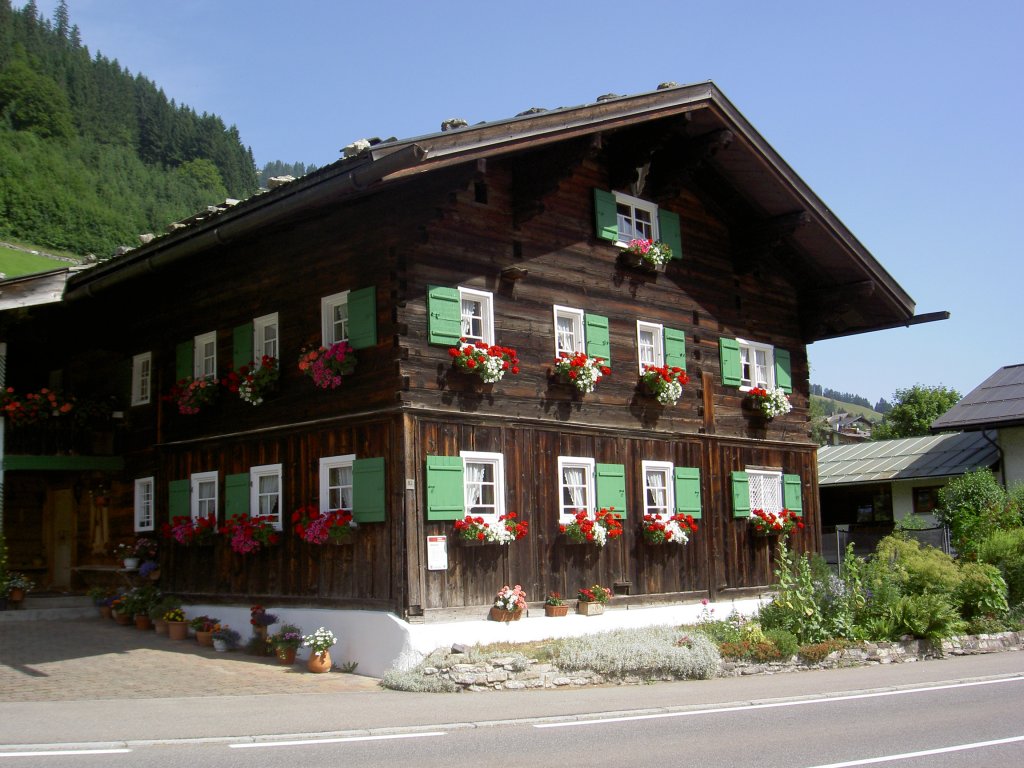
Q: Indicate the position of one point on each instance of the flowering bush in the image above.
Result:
(253, 381)
(510, 598)
(174, 614)
(34, 407)
(259, 617)
(509, 529)
(326, 365)
(654, 252)
(144, 548)
(581, 370)
(594, 594)
(772, 523)
(605, 525)
(192, 395)
(320, 641)
(316, 527)
(289, 636)
(674, 528)
(664, 382)
(771, 402)
(204, 623)
(227, 635)
(554, 598)
(16, 580)
(488, 362)
(248, 533)
(186, 530)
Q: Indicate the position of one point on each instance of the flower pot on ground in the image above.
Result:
(319, 662)
(204, 626)
(589, 609)
(554, 605)
(285, 642)
(142, 621)
(319, 644)
(590, 600)
(285, 656)
(225, 638)
(123, 618)
(509, 604)
(18, 585)
(260, 620)
(499, 614)
(177, 630)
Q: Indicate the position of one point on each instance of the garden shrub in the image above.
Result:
(928, 616)
(973, 505)
(650, 651)
(814, 653)
(1005, 550)
(784, 640)
(414, 681)
(982, 591)
(919, 568)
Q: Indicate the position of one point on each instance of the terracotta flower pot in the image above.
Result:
(204, 638)
(142, 621)
(556, 610)
(177, 630)
(498, 614)
(124, 619)
(589, 609)
(285, 656)
(319, 662)
(160, 626)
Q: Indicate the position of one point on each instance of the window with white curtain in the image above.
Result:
(144, 520)
(477, 314)
(205, 359)
(334, 318)
(659, 490)
(757, 365)
(650, 346)
(484, 483)
(576, 486)
(204, 494)
(265, 337)
(265, 492)
(569, 335)
(336, 483)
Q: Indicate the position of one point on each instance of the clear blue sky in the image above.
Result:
(902, 116)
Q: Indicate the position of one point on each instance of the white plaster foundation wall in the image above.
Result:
(1011, 441)
(381, 641)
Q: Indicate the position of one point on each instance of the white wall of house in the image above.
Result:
(903, 495)
(1011, 442)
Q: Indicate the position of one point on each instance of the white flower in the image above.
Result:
(775, 403)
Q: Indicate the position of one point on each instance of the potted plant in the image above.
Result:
(580, 370)
(191, 395)
(590, 600)
(668, 529)
(316, 527)
(185, 530)
(250, 533)
(18, 585)
(476, 529)
(177, 627)
(139, 601)
(598, 530)
(224, 638)
(770, 402)
(554, 605)
(319, 644)
(648, 253)
(286, 642)
(122, 609)
(489, 362)
(327, 365)
(203, 626)
(254, 381)
(260, 619)
(664, 382)
(508, 604)
(159, 609)
(774, 523)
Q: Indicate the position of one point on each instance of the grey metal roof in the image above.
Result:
(909, 458)
(996, 402)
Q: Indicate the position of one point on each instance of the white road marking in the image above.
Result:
(55, 752)
(305, 742)
(923, 753)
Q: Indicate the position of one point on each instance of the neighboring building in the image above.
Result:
(997, 406)
(511, 233)
(848, 428)
(866, 488)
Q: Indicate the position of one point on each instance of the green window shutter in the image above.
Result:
(236, 495)
(687, 481)
(241, 345)
(605, 220)
(783, 371)
(611, 488)
(369, 494)
(362, 318)
(598, 340)
(740, 494)
(445, 494)
(675, 348)
(178, 492)
(444, 316)
(184, 360)
(792, 493)
(729, 351)
(669, 232)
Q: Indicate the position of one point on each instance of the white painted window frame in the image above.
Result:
(658, 332)
(204, 364)
(634, 204)
(486, 300)
(256, 494)
(327, 306)
(748, 365)
(142, 378)
(762, 481)
(327, 463)
(202, 506)
(567, 511)
(497, 463)
(145, 519)
(266, 332)
(577, 316)
(667, 470)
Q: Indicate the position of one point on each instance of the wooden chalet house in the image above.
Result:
(510, 233)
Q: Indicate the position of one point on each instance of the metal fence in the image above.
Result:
(834, 543)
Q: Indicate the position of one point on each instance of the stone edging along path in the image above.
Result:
(508, 673)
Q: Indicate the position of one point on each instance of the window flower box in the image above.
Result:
(769, 403)
(596, 530)
(580, 371)
(489, 362)
(327, 366)
(664, 383)
(650, 255)
(474, 530)
(774, 523)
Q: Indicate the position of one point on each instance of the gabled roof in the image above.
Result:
(909, 458)
(996, 402)
(843, 289)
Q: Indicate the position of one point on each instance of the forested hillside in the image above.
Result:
(92, 155)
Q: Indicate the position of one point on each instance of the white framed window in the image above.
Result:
(576, 489)
(144, 504)
(659, 488)
(477, 312)
(265, 492)
(336, 483)
(484, 483)
(650, 344)
(205, 360)
(569, 334)
(637, 219)
(265, 337)
(142, 378)
(765, 489)
(334, 318)
(757, 365)
(204, 494)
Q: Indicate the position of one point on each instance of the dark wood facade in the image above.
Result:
(464, 217)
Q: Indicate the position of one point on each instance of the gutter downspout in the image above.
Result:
(225, 228)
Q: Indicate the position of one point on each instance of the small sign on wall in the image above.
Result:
(437, 553)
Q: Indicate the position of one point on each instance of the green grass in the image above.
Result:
(15, 263)
(868, 413)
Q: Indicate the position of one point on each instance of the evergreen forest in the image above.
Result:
(92, 155)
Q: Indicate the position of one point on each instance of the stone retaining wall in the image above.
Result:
(515, 673)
